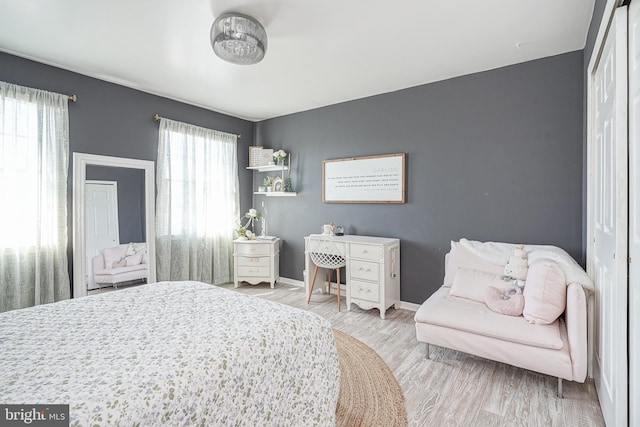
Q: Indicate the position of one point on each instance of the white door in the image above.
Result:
(634, 213)
(101, 219)
(610, 213)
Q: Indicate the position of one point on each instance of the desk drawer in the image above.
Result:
(253, 271)
(254, 261)
(365, 291)
(253, 249)
(326, 247)
(370, 252)
(365, 270)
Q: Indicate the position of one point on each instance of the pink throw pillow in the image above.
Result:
(112, 255)
(460, 257)
(510, 307)
(121, 263)
(545, 293)
(134, 259)
(473, 284)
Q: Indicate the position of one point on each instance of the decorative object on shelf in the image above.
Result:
(246, 231)
(279, 156)
(277, 184)
(238, 38)
(288, 187)
(339, 230)
(268, 183)
(266, 156)
(262, 189)
(255, 155)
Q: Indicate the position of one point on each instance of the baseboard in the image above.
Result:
(293, 282)
(403, 304)
(409, 306)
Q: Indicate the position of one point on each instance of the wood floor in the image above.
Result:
(451, 388)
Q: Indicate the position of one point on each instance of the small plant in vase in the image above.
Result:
(268, 182)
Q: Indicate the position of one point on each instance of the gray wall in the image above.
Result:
(496, 155)
(114, 120)
(131, 215)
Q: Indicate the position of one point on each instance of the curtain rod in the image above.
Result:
(156, 117)
(72, 98)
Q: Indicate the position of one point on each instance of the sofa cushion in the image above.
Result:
(121, 270)
(461, 257)
(545, 292)
(473, 284)
(442, 309)
(134, 259)
(113, 256)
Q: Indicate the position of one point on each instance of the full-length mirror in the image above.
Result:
(114, 222)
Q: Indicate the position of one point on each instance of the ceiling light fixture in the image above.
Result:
(238, 38)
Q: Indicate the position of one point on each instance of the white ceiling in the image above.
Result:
(320, 52)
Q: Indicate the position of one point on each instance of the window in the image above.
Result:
(197, 204)
(34, 158)
(18, 173)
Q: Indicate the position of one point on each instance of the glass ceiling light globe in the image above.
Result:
(238, 38)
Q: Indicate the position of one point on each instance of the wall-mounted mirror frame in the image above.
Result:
(80, 163)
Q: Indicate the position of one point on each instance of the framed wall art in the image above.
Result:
(370, 179)
(255, 155)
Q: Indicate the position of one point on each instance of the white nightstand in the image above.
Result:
(256, 261)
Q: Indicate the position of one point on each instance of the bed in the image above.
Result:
(172, 353)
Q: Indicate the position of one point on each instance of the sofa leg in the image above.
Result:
(560, 395)
(426, 350)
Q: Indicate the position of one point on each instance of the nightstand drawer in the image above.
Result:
(365, 270)
(246, 261)
(253, 249)
(253, 271)
(365, 291)
(373, 253)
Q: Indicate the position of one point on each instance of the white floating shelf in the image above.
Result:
(276, 193)
(268, 168)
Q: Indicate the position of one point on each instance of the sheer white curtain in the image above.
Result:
(34, 156)
(197, 203)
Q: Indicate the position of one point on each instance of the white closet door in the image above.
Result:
(610, 221)
(101, 214)
(634, 213)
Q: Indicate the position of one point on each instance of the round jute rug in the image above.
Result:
(369, 393)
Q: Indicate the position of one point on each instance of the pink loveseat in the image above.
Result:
(558, 348)
(120, 264)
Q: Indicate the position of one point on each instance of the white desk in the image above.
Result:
(372, 271)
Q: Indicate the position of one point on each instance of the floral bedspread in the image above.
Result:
(172, 353)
